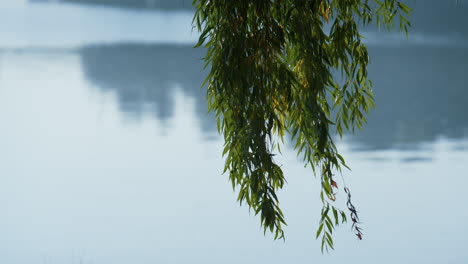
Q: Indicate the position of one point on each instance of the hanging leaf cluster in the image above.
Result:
(273, 71)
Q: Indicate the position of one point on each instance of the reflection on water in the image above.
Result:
(439, 17)
(420, 92)
(143, 77)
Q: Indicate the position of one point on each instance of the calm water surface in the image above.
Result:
(108, 156)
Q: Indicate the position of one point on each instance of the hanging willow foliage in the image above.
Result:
(273, 67)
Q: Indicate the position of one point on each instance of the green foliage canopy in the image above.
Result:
(272, 65)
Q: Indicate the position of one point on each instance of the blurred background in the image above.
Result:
(107, 154)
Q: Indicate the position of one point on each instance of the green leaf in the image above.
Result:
(319, 231)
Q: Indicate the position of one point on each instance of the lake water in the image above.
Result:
(107, 155)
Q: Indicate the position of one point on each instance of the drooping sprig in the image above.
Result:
(273, 66)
